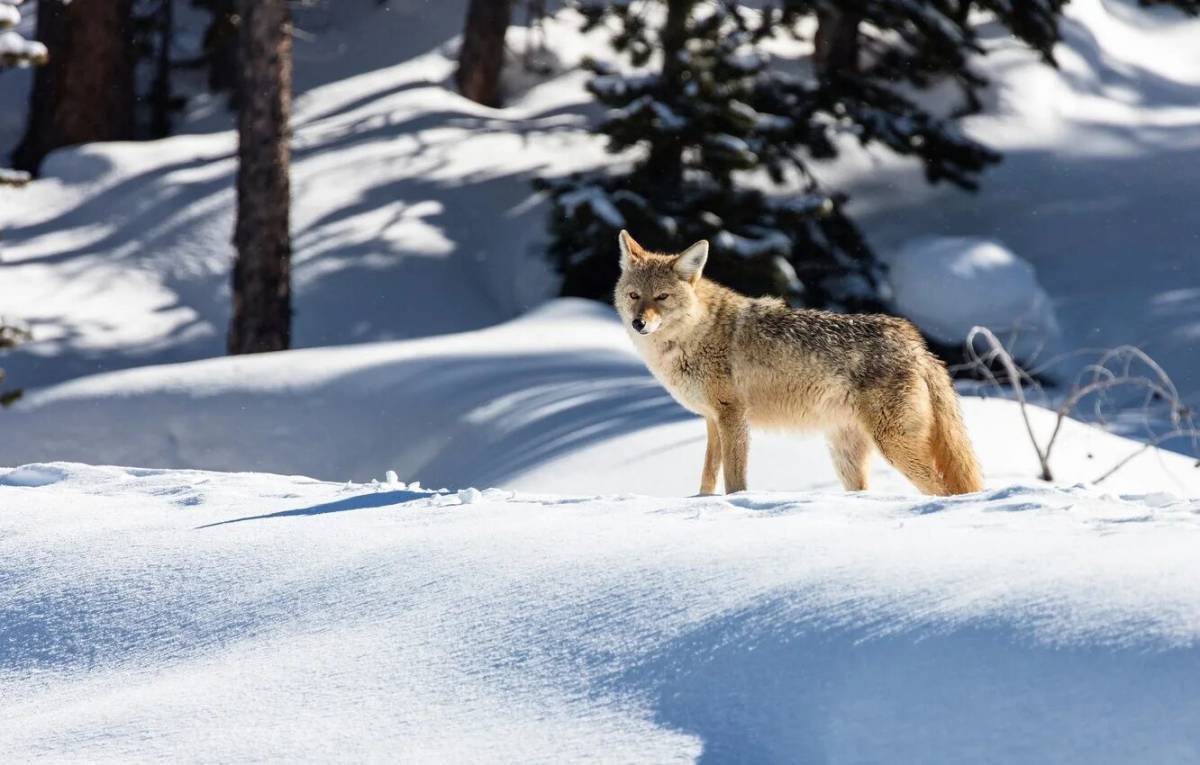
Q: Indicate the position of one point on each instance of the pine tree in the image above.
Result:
(703, 117)
(86, 90)
(262, 303)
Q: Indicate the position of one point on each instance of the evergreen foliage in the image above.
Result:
(706, 122)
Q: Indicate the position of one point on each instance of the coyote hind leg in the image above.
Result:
(851, 450)
(911, 455)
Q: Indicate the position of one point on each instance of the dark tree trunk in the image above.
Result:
(221, 48)
(835, 49)
(86, 91)
(262, 304)
(482, 54)
(160, 89)
(665, 163)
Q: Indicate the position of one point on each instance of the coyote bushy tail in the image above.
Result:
(951, 447)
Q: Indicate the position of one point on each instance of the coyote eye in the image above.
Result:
(634, 296)
(661, 297)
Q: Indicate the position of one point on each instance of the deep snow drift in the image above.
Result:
(203, 616)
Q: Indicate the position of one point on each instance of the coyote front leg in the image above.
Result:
(712, 458)
(735, 446)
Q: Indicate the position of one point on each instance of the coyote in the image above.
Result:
(867, 381)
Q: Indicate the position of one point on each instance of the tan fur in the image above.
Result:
(867, 381)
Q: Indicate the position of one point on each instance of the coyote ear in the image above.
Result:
(631, 251)
(690, 263)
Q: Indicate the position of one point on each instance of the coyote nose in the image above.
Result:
(639, 325)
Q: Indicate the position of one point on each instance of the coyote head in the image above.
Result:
(657, 291)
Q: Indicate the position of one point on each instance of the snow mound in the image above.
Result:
(166, 614)
(948, 285)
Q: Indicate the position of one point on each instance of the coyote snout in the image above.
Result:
(646, 321)
(868, 381)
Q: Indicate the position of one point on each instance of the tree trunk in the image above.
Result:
(221, 48)
(262, 306)
(86, 91)
(665, 163)
(160, 89)
(835, 49)
(482, 54)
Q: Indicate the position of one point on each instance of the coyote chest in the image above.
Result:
(687, 375)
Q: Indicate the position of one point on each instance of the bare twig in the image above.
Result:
(1113, 369)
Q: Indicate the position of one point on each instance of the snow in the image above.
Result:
(414, 214)
(1101, 164)
(12, 44)
(980, 283)
(273, 582)
(745, 247)
(596, 200)
(14, 48)
(193, 615)
(556, 400)
(9, 16)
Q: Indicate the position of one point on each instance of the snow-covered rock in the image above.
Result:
(948, 285)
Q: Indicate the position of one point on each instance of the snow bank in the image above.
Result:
(237, 617)
(554, 401)
(947, 285)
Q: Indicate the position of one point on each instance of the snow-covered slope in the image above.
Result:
(414, 213)
(413, 208)
(556, 400)
(184, 615)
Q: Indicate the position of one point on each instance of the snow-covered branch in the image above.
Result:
(15, 50)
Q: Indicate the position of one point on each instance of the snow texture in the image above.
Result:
(241, 617)
(585, 606)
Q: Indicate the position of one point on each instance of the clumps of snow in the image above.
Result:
(664, 116)
(947, 285)
(13, 177)
(32, 476)
(772, 242)
(9, 16)
(470, 496)
(15, 50)
(729, 143)
(611, 86)
(596, 199)
(392, 479)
